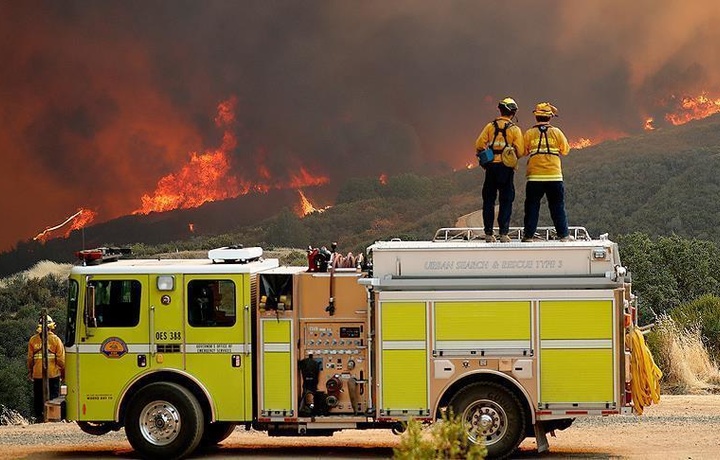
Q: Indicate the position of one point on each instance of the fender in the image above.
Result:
(148, 375)
(477, 375)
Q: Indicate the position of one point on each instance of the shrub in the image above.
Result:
(704, 315)
(683, 358)
(445, 439)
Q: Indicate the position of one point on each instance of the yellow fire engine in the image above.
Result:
(517, 338)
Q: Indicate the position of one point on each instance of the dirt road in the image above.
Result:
(680, 427)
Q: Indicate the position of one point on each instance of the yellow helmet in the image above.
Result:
(508, 104)
(50, 323)
(546, 109)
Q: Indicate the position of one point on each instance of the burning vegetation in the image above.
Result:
(208, 175)
(81, 219)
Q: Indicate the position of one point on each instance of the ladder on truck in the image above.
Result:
(515, 234)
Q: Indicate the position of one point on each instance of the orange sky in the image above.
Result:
(99, 101)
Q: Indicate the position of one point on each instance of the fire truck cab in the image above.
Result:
(516, 338)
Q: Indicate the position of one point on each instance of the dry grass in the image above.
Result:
(684, 360)
(45, 268)
(41, 270)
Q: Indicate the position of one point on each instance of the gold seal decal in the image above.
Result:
(114, 347)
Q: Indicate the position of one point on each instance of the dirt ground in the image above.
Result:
(680, 427)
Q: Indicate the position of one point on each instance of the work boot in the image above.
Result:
(505, 239)
(489, 238)
(565, 239)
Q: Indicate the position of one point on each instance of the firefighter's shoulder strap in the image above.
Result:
(543, 128)
(499, 130)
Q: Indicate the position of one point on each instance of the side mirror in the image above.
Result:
(90, 320)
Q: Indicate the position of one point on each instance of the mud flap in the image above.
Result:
(541, 438)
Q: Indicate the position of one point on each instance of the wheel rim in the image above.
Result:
(485, 419)
(160, 423)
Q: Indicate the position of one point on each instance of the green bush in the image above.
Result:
(445, 439)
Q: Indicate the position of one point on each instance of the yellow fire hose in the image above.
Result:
(645, 381)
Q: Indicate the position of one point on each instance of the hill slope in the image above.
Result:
(660, 182)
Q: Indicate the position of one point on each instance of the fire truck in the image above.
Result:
(517, 339)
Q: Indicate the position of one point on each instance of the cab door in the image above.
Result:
(114, 347)
(166, 322)
(217, 341)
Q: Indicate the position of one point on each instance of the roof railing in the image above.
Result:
(515, 234)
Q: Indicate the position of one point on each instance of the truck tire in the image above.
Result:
(217, 432)
(491, 414)
(164, 420)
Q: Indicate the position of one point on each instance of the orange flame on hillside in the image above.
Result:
(581, 143)
(306, 207)
(207, 176)
(77, 221)
(383, 179)
(693, 108)
(648, 126)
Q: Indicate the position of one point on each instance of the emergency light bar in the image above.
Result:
(100, 255)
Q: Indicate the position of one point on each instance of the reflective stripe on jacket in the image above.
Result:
(543, 165)
(56, 356)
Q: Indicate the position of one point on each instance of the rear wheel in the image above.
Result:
(164, 420)
(217, 432)
(492, 415)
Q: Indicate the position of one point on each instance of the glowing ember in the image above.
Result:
(693, 108)
(581, 143)
(207, 176)
(79, 220)
(383, 179)
(649, 124)
(191, 227)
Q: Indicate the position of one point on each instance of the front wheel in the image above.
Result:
(491, 415)
(164, 420)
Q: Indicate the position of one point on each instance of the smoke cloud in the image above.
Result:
(100, 100)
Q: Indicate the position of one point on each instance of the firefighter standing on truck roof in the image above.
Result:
(544, 145)
(499, 179)
(55, 369)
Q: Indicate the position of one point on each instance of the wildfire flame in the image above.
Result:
(79, 220)
(306, 207)
(649, 124)
(693, 108)
(191, 227)
(383, 179)
(207, 176)
(581, 143)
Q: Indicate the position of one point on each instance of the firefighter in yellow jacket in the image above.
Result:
(55, 369)
(499, 179)
(544, 146)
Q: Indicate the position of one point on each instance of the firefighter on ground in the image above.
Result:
(55, 368)
(499, 179)
(544, 145)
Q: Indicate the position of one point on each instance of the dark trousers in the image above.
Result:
(499, 180)
(555, 192)
(38, 406)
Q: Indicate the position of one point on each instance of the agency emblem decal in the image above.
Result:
(114, 347)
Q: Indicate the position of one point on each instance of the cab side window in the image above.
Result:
(211, 303)
(117, 302)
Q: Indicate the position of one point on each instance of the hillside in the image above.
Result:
(660, 182)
